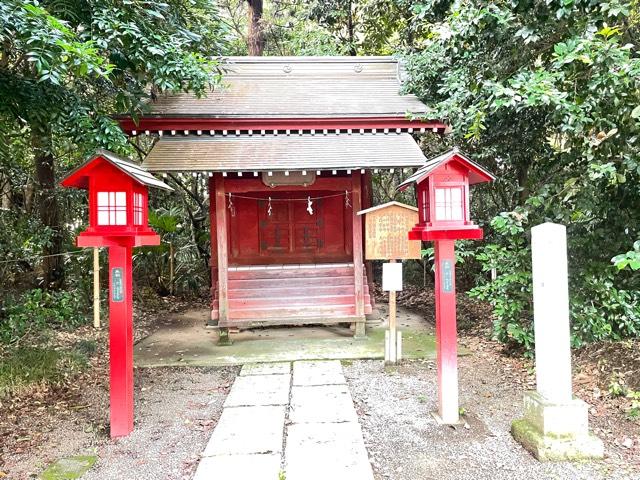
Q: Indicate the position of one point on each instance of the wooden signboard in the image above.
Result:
(387, 238)
(386, 228)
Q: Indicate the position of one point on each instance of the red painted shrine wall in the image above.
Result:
(290, 234)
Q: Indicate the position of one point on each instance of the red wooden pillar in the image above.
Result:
(121, 340)
(446, 338)
(358, 266)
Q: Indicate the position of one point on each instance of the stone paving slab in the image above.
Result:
(322, 451)
(241, 467)
(318, 373)
(254, 390)
(277, 368)
(68, 468)
(244, 430)
(322, 403)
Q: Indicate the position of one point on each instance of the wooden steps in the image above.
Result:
(291, 295)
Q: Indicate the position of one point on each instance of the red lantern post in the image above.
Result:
(118, 219)
(443, 206)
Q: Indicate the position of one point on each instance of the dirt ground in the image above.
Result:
(176, 410)
(178, 407)
(405, 443)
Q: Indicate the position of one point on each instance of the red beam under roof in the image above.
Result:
(154, 124)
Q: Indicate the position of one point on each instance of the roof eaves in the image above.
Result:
(388, 204)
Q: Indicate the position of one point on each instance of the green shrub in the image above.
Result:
(23, 367)
(510, 294)
(39, 309)
(600, 311)
(599, 308)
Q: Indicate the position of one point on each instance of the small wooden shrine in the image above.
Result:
(289, 145)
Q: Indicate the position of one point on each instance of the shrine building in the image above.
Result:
(289, 145)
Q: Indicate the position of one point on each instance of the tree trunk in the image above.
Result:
(5, 192)
(351, 31)
(29, 194)
(53, 267)
(256, 33)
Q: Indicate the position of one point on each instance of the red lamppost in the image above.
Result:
(118, 220)
(443, 206)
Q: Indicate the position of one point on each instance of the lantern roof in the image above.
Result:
(79, 178)
(387, 205)
(477, 173)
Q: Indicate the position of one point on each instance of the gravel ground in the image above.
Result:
(175, 412)
(404, 442)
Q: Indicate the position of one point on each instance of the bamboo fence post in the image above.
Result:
(96, 287)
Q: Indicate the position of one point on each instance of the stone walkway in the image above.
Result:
(280, 425)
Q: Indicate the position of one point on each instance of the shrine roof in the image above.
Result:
(298, 87)
(284, 152)
(477, 173)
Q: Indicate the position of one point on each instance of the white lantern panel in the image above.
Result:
(112, 208)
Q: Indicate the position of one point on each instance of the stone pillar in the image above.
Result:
(551, 312)
(555, 424)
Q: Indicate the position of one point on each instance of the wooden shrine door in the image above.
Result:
(288, 233)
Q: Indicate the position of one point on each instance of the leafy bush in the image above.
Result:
(599, 309)
(178, 240)
(510, 294)
(630, 259)
(39, 309)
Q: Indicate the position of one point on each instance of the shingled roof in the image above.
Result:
(282, 153)
(298, 87)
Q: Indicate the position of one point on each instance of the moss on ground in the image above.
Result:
(22, 367)
(548, 448)
(69, 468)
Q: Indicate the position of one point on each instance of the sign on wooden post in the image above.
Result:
(386, 239)
(386, 229)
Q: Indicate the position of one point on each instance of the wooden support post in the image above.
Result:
(213, 319)
(96, 287)
(392, 282)
(358, 264)
(446, 335)
(121, 340)
(223, 258)
(393, 330)
(367, 202)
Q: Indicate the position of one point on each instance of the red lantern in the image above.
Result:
(117, 201)
(118, 220)
(443, 207)
(443, 197)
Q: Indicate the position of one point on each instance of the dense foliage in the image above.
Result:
(66, 67)
(546, 94)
